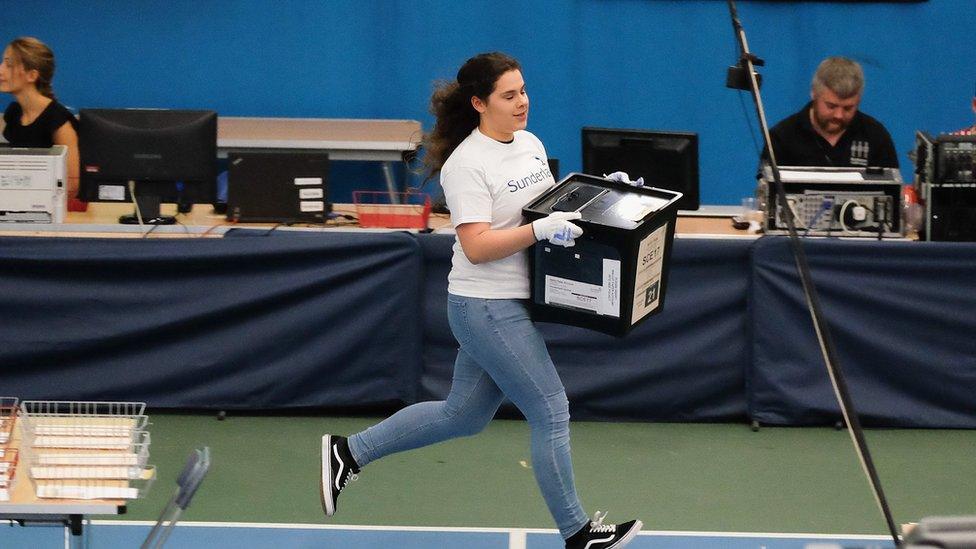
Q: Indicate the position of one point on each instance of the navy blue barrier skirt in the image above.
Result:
(687, 363)
(903, 318)
(343, 319)
(214, 323)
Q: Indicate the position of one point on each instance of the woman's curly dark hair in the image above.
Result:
(451, 105)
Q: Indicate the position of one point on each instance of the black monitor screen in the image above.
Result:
(166, 155)
(666, 160)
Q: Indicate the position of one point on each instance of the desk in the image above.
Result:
(24, 506)
(101, 220)
(704, 227)
(383, 141)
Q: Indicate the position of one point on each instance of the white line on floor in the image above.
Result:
(510, 531)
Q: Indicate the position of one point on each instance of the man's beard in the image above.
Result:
(828, 125)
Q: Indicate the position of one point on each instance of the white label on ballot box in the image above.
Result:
(647, 283)
(111, 192)
(308, 180)
(308, 194)
(602, 300)
(312, 205)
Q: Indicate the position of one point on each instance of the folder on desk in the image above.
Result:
(278, 187)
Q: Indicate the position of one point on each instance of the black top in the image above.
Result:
(866, 142)
(40, 132)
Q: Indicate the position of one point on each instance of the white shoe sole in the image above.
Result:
(325, 483)
(629, 536)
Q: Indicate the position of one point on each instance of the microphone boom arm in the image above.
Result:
(834, 371)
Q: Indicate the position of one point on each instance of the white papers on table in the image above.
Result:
(86, 459)
(106, 443)
(85, 472)
(67, 491)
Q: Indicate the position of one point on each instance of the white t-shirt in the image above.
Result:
(485, 180)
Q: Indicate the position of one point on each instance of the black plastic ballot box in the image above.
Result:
(615, 275)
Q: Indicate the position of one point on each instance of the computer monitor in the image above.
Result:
(666, 160)
(159, 155)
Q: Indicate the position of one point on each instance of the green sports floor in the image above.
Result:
(681, 477)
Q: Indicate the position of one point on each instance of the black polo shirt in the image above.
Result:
(866, 142)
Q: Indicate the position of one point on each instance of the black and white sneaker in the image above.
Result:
(597, 535)
(337, 469)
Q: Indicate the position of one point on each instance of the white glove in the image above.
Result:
(557, 229)
(624, 178)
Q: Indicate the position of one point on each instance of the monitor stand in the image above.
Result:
(148, 207)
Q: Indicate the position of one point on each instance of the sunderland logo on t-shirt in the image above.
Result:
(859, 153)
(516, 185)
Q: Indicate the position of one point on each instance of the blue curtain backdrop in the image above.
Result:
(621, 63)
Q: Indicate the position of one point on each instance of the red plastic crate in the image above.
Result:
(392, 210)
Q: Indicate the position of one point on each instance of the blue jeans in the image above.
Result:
(502, 355)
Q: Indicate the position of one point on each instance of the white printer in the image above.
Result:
(33, 184)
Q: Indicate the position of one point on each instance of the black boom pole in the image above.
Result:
(747, 64)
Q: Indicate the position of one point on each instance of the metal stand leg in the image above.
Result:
(390, 181)
(75, 536)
